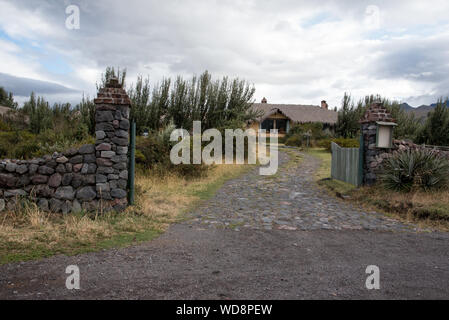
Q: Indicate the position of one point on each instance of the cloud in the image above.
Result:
(24, 86)
(293, 51)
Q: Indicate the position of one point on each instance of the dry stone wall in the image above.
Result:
(92, 177)
(374, 156)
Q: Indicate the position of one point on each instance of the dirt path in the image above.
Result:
(258, 238)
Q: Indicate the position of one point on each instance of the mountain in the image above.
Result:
(421, 111)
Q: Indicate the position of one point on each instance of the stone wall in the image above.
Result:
(92, 177)
(373, 156)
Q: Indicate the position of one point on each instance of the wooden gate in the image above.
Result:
(347, 164)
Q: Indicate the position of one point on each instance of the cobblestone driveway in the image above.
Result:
(290, 200)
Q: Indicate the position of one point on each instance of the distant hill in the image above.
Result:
(421, 111)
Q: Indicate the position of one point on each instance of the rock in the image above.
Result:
(65, 193)
(44, 170)
(55, 180)
(92, 168)
(62, 160)
(89, 179)
(120, 166)
(33, 169)
(77, 180)
(101, 178)
(76, 159)
(14, 193)
(85, 168)
(69, 167)
(100, 135)
(2, 205)
(107, 154)
(86, 194)
(8, 180)
(121, 134)
(11, 167)
(104, 126)
(70, 152)
(43, 191)
(21, 169)
(23, 181)
(67, 179)
(102, 162)
(103, 147)
(90, 158)
(124, 174)
(120, 158)
(77, 167)
(104, 170)
(66, 207)
(104, 116)
(120, 141)
(113, 177)
(39, 179)
(76, 207)
(60, 168)
(123, 184)
(86, 149)
(118, 193)
(56, 205)
(124, 124)
(122, 150)
(102, 188)
(43, 204)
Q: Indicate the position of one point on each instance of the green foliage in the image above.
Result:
(153, 153)
(294, 141)
(111, 73)
(348, 125)
(436, 129)
(7, 99)
(86, 108)
(342, 142)
(415, 169)
(216, 103)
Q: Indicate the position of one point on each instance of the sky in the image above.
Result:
(293, 51)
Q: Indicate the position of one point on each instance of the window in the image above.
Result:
(268, 124)
(281, 125)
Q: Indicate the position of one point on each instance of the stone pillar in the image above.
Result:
(373, 156)
(112, 141)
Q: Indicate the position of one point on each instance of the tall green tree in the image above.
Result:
(436, 127)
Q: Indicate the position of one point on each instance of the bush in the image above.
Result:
(294, 141)
(415, 169)
(342, 142)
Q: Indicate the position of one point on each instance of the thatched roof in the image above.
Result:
(297, 113)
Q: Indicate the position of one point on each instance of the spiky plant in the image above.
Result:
(415, 169)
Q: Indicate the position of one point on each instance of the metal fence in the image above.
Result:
(347, 164)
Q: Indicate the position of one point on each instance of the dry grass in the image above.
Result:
(29, 233)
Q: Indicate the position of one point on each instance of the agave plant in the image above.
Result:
(415, 169)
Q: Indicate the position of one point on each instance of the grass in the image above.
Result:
(27, 233)
(426, 209)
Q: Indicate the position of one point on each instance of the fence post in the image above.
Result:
(132, 162)
(361, 149)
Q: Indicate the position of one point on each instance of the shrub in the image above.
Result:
(415, 169)
(294, 141)
(342, 142)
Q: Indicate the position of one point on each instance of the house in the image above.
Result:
(284, 116)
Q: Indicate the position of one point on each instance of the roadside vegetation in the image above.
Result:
(425, 208)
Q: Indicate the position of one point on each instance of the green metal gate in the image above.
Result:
(347, 164)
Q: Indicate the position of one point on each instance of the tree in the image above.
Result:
(348, 125)
(7, 99)
(436, 128)
(39, 112)
(86, 108)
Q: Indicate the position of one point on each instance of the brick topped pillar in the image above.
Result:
(373, 156)
(112, 141)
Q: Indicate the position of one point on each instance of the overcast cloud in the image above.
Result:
(293, 51)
